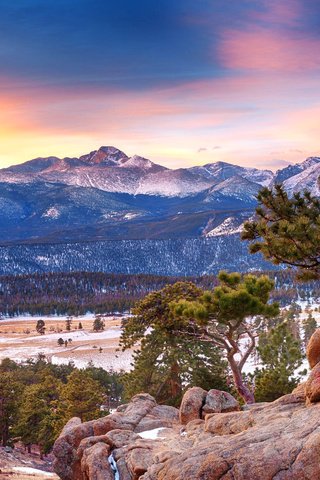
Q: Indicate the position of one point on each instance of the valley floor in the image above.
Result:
(85, 345)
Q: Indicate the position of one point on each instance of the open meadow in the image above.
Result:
(19, 340)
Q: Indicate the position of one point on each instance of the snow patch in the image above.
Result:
(151, 434)
(51, 213)
(227, 227)
(130, 215)
(34, 471)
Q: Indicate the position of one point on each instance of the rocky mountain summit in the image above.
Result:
(107, 196)
(111, 170)
(209, 438)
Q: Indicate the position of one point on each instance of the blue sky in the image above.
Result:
(183, 82)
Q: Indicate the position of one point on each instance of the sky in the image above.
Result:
(182, 82)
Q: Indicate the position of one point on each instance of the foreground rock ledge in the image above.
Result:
(273, 441)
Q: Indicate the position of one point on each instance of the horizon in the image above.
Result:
(181, 83)
(274, 169)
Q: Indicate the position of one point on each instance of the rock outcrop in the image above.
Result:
(197, 403)
(210, 438)
(80, 447)
(270, 441)
(191, 405)
(312, 385)
(313, 349)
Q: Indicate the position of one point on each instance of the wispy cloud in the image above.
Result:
(239, 75)
(267, 51)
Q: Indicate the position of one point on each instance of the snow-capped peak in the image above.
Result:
(308, 180)
(220, 171)
(309, 162)
(138, 162)
(107, 156)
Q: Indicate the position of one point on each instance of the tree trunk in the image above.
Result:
(242, 389)
(175, 382)
(5, 434)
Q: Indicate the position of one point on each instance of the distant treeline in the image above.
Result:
(81, 292)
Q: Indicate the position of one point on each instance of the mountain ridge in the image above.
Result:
(112, 170)
(106, 195)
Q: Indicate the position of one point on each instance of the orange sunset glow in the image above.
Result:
(247, 91)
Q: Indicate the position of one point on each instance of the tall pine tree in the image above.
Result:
(232, 311)
(81, 397)
(280, 355)
(167, 362)
(287, 230)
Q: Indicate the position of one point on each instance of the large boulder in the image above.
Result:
(278, 441)
(300, 391)
(268, 441)
(66, 463)
(312, 386)
(191, 405)
(230, 423)
(142, 413)
(313, 349)
(218, 401)
(159, 417)
(94, 463)
(120, 438)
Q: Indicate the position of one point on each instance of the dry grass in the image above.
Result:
(10, 474)
(19, 326)
(19, 345)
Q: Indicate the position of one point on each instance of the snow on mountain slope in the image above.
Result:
(111, 179)
(310, 162)
(111, 170)
(308, 179)
(172, 183)
(220, 171)
(108, 195)
(236, 187)
(292, 170)
(229, 226)
(141, 163)
(105, 155)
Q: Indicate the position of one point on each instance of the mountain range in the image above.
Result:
(108, 196)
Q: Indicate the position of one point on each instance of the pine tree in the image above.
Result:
(81, 397)
(98, 324)
(36, 420)
(166, 363)
(41, 327)
(111, 382)
(224, 316)
(10, 391)
(287, 230)
(68, 323)
(280, 354)
(309, 325)
(60, 342)
(165, 369)
(182, 317)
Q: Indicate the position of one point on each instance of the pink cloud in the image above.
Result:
(279, 12)
(268, 51)
(249, 115)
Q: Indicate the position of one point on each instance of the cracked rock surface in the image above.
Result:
(210, 438)
(269, 441)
